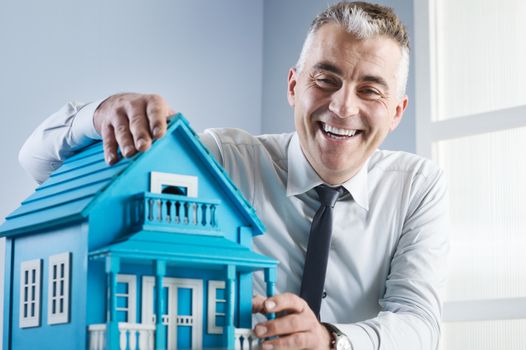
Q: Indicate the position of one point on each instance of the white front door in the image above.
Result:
(183, 311)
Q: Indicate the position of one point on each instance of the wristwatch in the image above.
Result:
(339, 341)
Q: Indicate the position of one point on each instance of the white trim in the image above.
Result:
(213, 286)
(425, 73)
(157, 180)
(30, 290)
(58, 291)
(131, 310)
(172, 320)
(502, 119)
(485, 310)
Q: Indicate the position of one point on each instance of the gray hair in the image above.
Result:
(365, 21)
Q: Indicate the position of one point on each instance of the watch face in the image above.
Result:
(342, 343)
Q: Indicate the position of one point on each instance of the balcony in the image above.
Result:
(175, 213)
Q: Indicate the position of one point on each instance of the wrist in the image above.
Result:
(339, 341)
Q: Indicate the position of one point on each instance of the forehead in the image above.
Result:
(332, 44)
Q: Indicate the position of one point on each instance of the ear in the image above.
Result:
(291, 86)
(399, 112)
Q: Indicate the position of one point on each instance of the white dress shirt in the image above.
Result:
(387, 261)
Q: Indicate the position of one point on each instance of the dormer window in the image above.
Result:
(185, 185)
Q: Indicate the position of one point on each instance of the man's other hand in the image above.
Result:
(297, 328)
(130, 122)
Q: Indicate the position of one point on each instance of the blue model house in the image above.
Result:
(86, 252)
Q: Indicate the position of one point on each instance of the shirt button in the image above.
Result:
(324, 294)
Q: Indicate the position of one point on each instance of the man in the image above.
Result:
(387, 254)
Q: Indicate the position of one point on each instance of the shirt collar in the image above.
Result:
(302, 177)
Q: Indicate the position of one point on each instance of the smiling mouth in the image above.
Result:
(338, 133)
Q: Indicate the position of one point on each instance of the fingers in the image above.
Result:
(157, 111)
(302, 340)
(285, 302)
(288, 324)
(109, 143)
(257, 303)
(130, 122)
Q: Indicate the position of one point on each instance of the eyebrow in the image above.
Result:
(375, 79)
(328, 67)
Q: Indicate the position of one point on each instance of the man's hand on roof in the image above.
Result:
(130, 122)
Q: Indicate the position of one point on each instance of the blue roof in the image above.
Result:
(185, 249)
(71, 190)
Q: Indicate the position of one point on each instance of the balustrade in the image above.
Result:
(176, 211)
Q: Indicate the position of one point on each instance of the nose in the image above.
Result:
(344, 102)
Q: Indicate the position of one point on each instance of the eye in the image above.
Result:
(327, 82)
(370, 93)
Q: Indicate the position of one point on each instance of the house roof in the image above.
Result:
(185, 249)
(73, 189)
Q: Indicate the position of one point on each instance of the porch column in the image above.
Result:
(230, 305)
(160, 302)
(112, 325)
(270, 280)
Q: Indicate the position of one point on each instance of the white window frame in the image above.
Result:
(429, 129)
(131, 310)
(59, 262)
(30, 292)
(213, 286)
(158, 180)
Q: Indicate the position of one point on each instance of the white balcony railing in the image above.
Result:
(132, 336)
(175, 212)
(245, 339)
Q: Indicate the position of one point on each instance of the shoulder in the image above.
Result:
(383, 161)
(230, 140)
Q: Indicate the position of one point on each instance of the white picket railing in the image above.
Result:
(132, 336)
(245, 339)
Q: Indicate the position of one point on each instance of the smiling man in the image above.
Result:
(384, 264)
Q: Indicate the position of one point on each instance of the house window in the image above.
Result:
(58, 288)
(185, 185)
(126, 298)
(216, 306)
(30, 293)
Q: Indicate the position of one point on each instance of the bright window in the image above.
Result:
(30, 290)
(58, 288)
(471, 119)
(126, 298)
(216, 306)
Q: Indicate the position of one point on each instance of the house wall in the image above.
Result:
(40, 245)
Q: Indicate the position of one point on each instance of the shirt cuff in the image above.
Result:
(83, 123)
(358, 336)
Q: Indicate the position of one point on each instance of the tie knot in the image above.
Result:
(328, 195)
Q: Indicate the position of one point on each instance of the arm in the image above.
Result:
(57, 138)
(127, 122)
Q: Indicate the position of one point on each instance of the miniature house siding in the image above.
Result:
(41, 245)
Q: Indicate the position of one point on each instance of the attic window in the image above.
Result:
(173, 184)
(179, 190)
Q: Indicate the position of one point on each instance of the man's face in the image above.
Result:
(345, 100)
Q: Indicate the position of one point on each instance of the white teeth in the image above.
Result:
(337, 131)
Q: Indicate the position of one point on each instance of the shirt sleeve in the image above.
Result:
(411, 306)
(57, 138)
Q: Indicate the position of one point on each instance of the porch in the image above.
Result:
(137, 336)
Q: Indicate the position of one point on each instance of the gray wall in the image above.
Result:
(285, 27)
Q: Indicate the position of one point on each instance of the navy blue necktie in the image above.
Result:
(317, 255)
